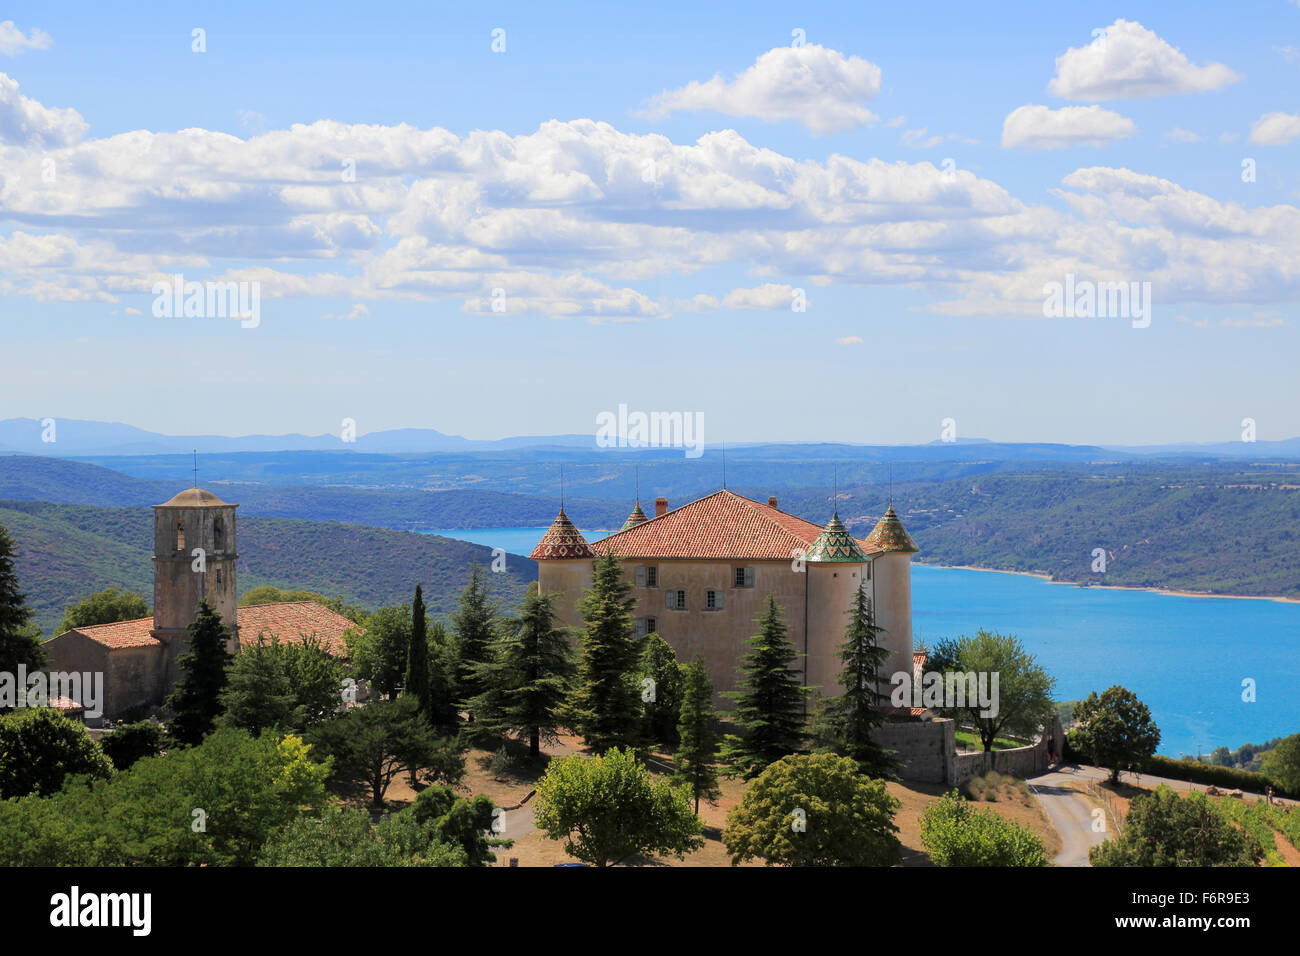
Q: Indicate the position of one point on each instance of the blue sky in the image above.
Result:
(648, 223)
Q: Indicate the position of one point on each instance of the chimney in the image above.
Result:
(771, 502)
(661, 506)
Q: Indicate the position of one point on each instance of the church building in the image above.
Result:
(702, 573)
(195, 559)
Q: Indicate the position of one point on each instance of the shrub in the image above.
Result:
(954, 834)
(39, 747)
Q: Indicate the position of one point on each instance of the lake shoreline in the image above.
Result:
(1280, 599)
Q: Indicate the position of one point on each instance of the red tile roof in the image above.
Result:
(720, 525)
(122, 634)
(288, 620)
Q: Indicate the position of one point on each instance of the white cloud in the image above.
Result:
(1129, 61)
(358, 311)
(771, 295)
(1038, 127)
(1275, 129)
(23, 121)
(13, 42)
(849, 340)
(919, 139)
(818, 86)
(1180, 135)
(1226, 138)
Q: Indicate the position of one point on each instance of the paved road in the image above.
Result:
(1070, 812)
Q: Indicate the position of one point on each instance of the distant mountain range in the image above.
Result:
(79, 439)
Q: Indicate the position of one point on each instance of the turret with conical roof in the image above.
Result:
(562, 541)
(635, 518)
(890, 535)
(835, 544)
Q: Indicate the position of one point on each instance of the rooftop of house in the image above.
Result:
(288, 620)
(195, 498)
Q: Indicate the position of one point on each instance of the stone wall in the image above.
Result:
(925, 749)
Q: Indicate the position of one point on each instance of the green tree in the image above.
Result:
(215, 804)
(196, 699)
(606, 706)
(371, 745)
(20, 640)
(847, 724)
(695, 755)
(814, 810)
(418, 685)
(104, 607)
(1282, 764)
(1022, 698)
(659, 666)
(257, 695)
(131, 742)
(770, 703)
(39, 747)
(379, 652)
(315, 679)
(344, 836)
(474, 626)
(1164, 829)
(1115, 730)
(954, 834)
(526, 684)
(608, 808)
(460, 822)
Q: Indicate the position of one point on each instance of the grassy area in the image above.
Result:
(972, 741)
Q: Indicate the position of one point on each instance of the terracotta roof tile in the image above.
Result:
(289, 620)
(135, 633)
(720, 525)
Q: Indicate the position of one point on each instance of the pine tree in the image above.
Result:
(846, 724)
(417, 659)
(443, 710)
(606, 706)
(770, 703)
(699, 741)
(196, 699)
(20, 640)
(474, 624)
(527, 685)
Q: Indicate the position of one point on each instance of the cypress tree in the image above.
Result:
(606, 706)
(663, 708)
(443, 711)
(699, 741)
(417, 659)
(474, 624)
(846, 723)
(196, 699)
(20, 641)
(770, 703)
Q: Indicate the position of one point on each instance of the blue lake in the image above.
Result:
(1185, 657)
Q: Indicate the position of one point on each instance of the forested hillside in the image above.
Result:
(66, 552)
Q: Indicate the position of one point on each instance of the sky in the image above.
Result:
(811, 222)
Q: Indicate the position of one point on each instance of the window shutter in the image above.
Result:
(670, 599)
(749, 577)
(720, 599)
(640, 575)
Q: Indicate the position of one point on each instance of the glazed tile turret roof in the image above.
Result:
(562, 541)
(835, 544)
(635, 518)
(890, 535)
(720, 525)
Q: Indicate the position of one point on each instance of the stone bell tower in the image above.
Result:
(193, 559)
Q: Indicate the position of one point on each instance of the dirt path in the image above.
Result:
(1071, 812)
